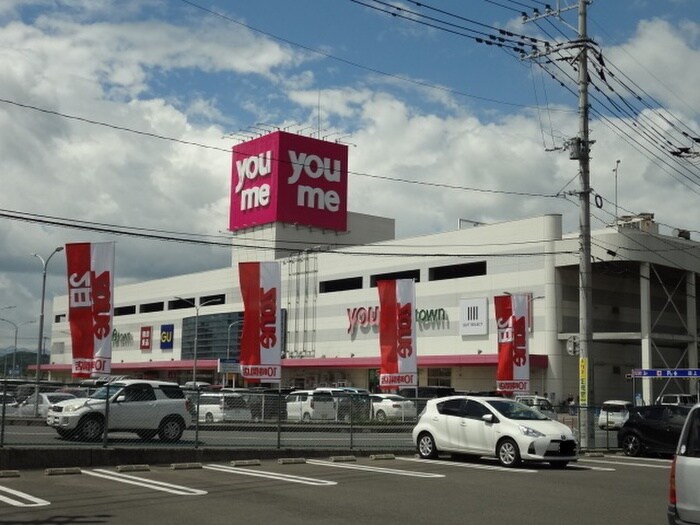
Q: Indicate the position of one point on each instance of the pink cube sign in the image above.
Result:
(282, 177)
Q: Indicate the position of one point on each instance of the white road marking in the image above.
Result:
(143, 482)
(30, 501)
(381, 470)
(627, 463)
(469, 465)
(270, 475)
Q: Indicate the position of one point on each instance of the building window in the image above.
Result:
(406, 274)
(151, 307)
(179, 304)
(457, 271)
(124, 310)
(59, 318)
(213, 299)
(439, 377)
(341, 285)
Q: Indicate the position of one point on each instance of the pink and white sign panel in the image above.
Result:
(90, 269)
(397, 333)
(513, 371)
(283, 177)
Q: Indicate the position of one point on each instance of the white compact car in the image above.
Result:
(493, 426)
(392, 406)
(684, 496)
(613, 414)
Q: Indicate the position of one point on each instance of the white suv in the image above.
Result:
(305, 405)
(684, 497)
(144, 407)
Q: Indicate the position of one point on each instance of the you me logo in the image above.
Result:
(282, 177)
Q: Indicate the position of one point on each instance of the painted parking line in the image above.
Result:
(381, 470)
(24, 499)
(271, 475)
(143, 482)
(627, 463)
(476, 466)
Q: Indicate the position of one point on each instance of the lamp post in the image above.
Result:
(39, 352)
(196, 332)
(14, 349)
(228, 343)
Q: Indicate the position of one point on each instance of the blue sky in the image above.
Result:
(472, 123)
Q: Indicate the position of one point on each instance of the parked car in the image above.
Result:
(493, 426)
(676, 399)
(392, 406)
(350, 403)
(613, 414)
(216, 407)
(652, 429)
(307, 405)
(684, 497)
(538, 403)
(268, 403)
(26, 408)
(144, 407)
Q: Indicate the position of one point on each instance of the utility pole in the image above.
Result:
(580, 151)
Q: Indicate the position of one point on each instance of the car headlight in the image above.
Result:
(69, 409)
(530, 432)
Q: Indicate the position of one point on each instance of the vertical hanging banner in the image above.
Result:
(397, 333)
(513, 372)
(261, 340)
(90, 307)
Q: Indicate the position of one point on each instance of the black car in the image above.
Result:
(652, 429)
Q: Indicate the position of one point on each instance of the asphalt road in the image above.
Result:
(404, 490)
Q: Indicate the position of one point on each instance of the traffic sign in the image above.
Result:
(665, 373)
(229, 366)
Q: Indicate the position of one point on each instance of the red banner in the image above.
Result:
(90, 268)
(397, 333)
(513, 372)
(261, 340)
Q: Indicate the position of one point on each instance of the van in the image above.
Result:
(539, 403)
(220, 407)
(308, 405)
(683, 495)
(613, 414)
(676, 399)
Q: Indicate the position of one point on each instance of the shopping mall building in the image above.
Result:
(289, 204)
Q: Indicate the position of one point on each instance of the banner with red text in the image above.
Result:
(513, 372)
(90, 268)
(261, 340)
(397, 333)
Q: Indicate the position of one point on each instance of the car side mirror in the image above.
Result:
(120, 398)
(487, 418)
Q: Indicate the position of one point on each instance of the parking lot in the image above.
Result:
(343, 489)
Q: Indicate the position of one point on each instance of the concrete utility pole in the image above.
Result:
(580, 150)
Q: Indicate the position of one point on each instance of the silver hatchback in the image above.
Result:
(684, 496)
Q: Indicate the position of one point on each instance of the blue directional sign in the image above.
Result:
(664, 373)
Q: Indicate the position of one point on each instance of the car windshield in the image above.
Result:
(107, 391)
(514, 410)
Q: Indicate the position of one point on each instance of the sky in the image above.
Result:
(122, 114)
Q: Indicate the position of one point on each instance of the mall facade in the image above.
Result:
(644, 315)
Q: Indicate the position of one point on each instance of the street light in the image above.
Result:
(39, 352)
(14, 351)
(228, 344)
(196, 332)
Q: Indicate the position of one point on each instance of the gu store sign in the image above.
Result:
(283, 177)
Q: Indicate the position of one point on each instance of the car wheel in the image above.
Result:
(306, 418)
(146, 435)
(508, 453)
(426, 446)
(90, 429)
(171, 430)
(209, 418)
(631, 445)
(380, 416)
